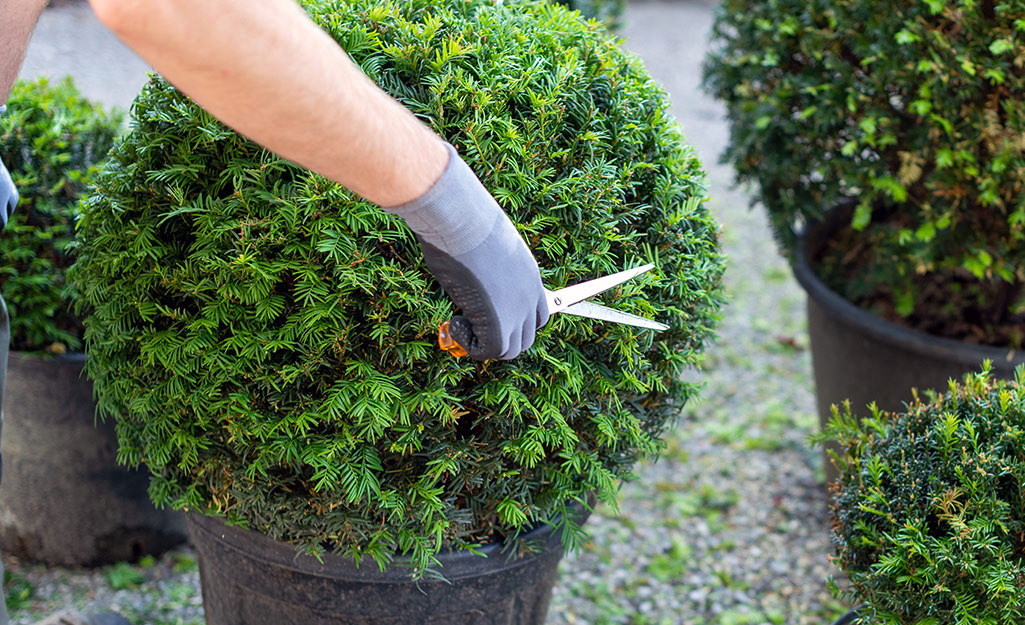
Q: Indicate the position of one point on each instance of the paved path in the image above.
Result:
(69, 40)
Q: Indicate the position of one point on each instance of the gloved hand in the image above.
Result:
(475, 252)
(8, 193)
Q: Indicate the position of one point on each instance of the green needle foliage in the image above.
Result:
(929, 512)
(266, 340)
(52, 141)
(908, 110)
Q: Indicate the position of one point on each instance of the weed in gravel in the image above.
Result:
(167, 605)
(183, 563)
(675, 449)
(124, 576)
(729, 580)
(605, 602)
(725, 431)
(646, 619)
(740, 616)
(732, 358)
(776, 275)
(18, 591)
(674, 563)
(774, 616)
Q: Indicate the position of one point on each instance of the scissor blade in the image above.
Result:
(604, 313)
(559, 300)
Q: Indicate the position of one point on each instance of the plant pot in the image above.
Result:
(63, 498)
(859, 356)
(250, 579)
(851, 618)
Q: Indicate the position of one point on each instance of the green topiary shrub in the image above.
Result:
(929, 509)
(909, 111)
(52, 140)
(267, 342)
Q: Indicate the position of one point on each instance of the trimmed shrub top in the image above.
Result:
(929, 512)
(267, 341)
(52, 141)
(908, 110)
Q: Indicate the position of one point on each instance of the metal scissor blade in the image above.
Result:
(559, 301)
(604, 313)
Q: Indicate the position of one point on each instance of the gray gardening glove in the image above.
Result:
(8, 193)
(475, 252)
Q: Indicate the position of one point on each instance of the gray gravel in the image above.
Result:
(729, 527)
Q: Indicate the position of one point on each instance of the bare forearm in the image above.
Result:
(17, 19)
(266, 70)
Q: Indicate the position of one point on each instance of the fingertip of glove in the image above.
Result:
(462, 331)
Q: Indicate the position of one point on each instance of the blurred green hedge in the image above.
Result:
(52, 141)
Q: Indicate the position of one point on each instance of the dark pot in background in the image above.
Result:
(859, 356)
(63, 498)
(251, 579)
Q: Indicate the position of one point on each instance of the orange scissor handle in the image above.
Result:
(449, 344)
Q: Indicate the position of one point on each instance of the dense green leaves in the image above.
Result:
(52, 141)
(929, 513)
(909, 111)
(267, 341)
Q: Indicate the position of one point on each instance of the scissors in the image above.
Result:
(572, 301)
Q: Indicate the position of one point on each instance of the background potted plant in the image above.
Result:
(929, 508)
(266, 341)
(64, 499)
(888, 131)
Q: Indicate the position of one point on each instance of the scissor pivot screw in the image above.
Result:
(558, 301)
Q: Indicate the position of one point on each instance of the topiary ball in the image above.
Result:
(929, 508)
(52, 140)
(267, 341)
(905, 114)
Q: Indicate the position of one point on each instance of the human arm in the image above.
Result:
(17, 19)
(266, 70)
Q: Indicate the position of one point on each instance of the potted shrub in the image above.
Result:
(64, 498)
(267, 341)
(929, 508)
(887, 130)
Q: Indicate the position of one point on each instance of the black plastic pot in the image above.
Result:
(250, 579)
(859, 356)
(63, 498)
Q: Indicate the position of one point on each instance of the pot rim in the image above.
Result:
(455, 564)
(811, 238)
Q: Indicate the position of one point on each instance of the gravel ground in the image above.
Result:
(729, 527)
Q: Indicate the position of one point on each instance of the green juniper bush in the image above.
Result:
(266, 340)
(908, 111)
(929, 508)
(52, 141)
